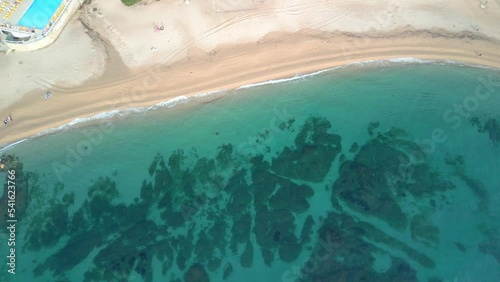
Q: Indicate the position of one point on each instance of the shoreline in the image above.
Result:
(235, 67)
(180, 100)
(171, 103)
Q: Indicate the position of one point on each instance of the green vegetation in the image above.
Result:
(129, 2)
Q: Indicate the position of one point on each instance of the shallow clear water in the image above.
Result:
(267, 182)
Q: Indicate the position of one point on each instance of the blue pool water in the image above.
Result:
(39, 13)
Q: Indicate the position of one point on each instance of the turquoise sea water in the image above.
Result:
(365, 173)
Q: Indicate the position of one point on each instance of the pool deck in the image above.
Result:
(17, 13)
(40, 38)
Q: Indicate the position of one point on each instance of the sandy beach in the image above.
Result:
(102, 63)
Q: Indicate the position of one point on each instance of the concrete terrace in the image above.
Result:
(12, 11)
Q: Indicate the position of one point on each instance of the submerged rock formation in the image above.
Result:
(343, 255)
(491, 126)
(15, 196)
(315, 150)
(192, 212)
(384, 171)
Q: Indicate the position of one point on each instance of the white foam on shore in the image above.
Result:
(186, 99)
(438, 62)
(169, 103)
(281, 80)
(391, 62)
(410, 60)
(385, 62)
(116, 113)
(12, 145)
(119, 113)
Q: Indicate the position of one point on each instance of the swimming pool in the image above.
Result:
(39, 13)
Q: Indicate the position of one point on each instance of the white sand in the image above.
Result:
(130, 29)
(216, 44)
(72, 59)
